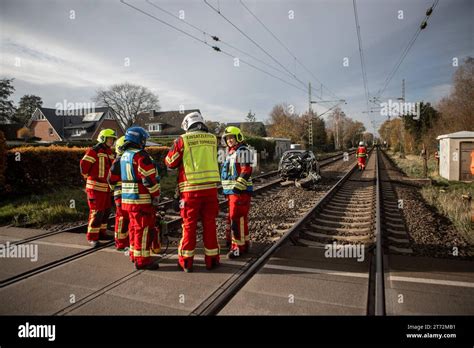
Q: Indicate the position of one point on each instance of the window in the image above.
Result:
(51, 132)
(155, 127)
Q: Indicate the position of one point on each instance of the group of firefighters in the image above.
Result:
(131, 180)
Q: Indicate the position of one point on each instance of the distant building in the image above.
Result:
(72, 125)
(163, 123)
(281, 145)
(455, 155)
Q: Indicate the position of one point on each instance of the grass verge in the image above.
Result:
(449, 198)
(65, 205)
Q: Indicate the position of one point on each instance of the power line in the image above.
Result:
(361, 53)
(216, 38)
(287, 49)
(407, 48)
(207, 44)
(254, 42)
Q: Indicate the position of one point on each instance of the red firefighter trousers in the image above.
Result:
(99, 210)
(237, 221)
(142, 233)
(197, 205)
(121, 227)
(361, 162)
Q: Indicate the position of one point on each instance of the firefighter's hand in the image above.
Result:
(84, 176)
(156, 201)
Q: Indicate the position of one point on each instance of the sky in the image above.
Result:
(64, 50)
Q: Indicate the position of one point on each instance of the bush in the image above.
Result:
(24, 133)
(164, 141)
(71, 144)
(46, 169)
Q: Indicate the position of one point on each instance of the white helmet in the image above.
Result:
(361, 143)
(190, 119)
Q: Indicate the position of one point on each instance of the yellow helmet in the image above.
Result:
(118, 145)
(231, 130)
(106, 133)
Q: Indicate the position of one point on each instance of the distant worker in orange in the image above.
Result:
(472, 162)
(361, 154)
(95, 166)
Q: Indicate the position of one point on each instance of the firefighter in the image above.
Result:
(361, 154)
(237, 186)
(95, 166)
(140, 196)
(121, 219)
(195, 155)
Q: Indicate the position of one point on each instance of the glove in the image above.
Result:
(156, 201)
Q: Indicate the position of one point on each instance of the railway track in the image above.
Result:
(348, 213)
(172, 224)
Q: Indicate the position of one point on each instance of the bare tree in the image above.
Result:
(336, 120)
(457, 108)
(127, 100)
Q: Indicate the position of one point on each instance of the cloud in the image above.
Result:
(78, 69)
(437, 92)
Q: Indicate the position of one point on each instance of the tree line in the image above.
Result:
(452, 113)
(127, 100)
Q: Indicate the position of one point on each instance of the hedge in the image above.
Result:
(58, 143)
(261, 144)
(45, 169)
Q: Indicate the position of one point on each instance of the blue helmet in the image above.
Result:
(137, 135)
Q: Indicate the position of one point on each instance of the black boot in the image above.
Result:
(151, 266)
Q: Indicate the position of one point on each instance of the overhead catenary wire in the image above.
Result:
(217, 39)
(254, 42)
(288, 50)
(406, 50)
(361, 53)
(216, 48)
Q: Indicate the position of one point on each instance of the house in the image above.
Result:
(72, 125)
(255, 128)
(163, 123)
(455, 155)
